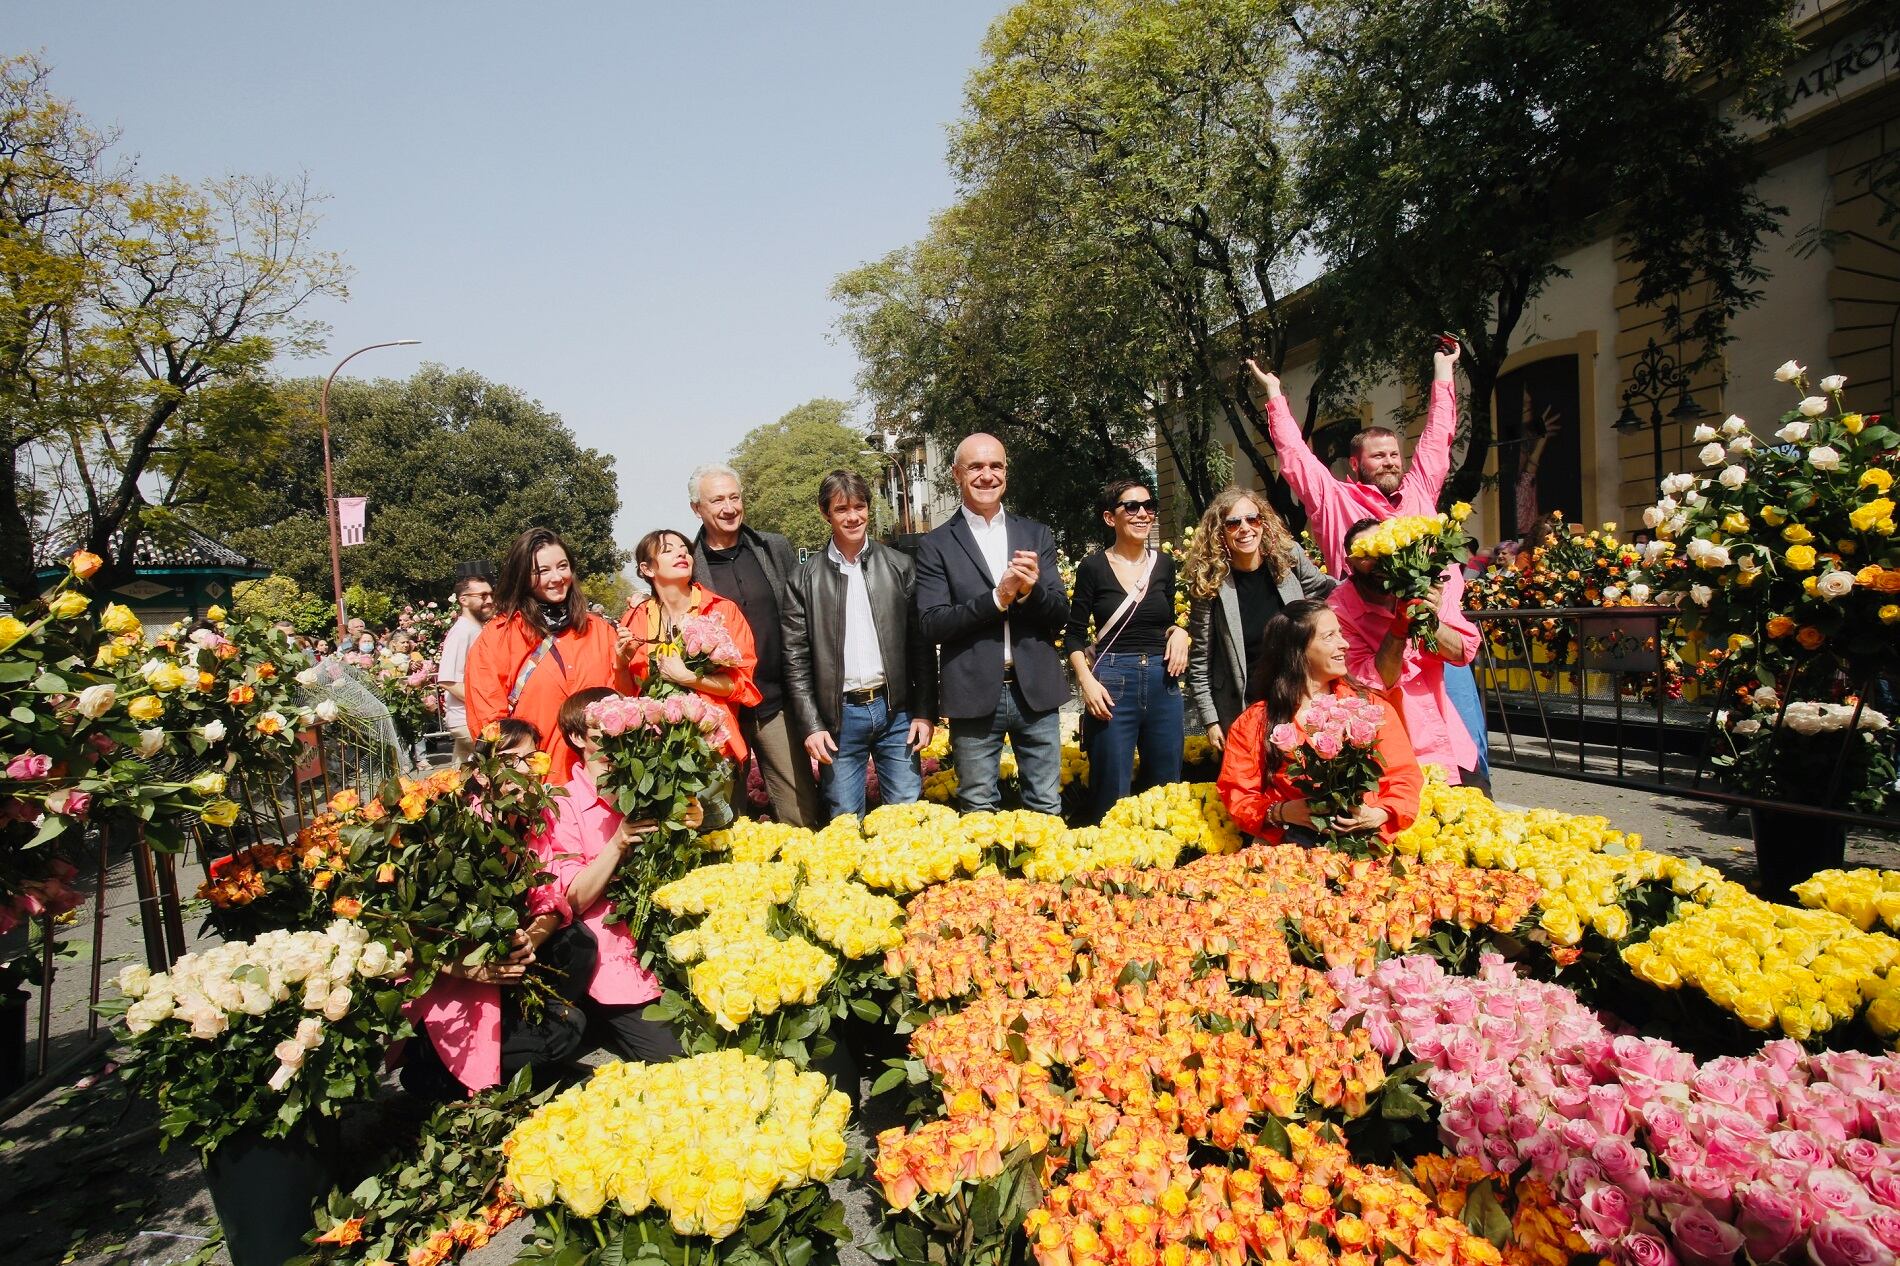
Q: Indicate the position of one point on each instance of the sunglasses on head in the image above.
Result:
(1136, 507)
(1251, 520)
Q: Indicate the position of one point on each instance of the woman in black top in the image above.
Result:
(1131, 692)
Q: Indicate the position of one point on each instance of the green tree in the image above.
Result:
(137, 327)
(782, 463)
(282, 598)
(454, 466)
(1127, 227)
(610, 590)
(1457, 152)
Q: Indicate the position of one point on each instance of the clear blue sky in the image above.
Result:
(633, 212)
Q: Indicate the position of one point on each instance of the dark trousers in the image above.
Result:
(628, 1033)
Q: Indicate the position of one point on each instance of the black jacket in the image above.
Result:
(776, 556)
(814, 638)
(956, 606)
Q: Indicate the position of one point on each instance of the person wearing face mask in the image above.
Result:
(1242, 568)
(541, 646)
(1303, 655)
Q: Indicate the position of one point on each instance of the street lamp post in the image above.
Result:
(329, 479)
(1656, 374)
(900, 493)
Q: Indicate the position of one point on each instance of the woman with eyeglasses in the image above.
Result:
(1129, 675)
(1242, 568)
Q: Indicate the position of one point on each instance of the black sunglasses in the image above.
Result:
(1136, 507)
(1251, 520)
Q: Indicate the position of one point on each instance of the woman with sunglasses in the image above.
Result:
(1130, 674)
(1242, 567)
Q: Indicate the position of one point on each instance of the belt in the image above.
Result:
(870, 694)
(1009, 672)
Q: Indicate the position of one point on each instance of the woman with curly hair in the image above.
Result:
(1242, 567)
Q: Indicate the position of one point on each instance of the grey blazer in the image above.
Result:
(1217, 662)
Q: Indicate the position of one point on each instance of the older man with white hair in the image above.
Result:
(752, 568)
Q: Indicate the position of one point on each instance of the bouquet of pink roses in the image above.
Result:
(662, 754)
(1332, 756)
(704, 645)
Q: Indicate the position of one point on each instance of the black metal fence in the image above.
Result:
(1607, 695)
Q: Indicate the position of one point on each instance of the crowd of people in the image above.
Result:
(846, 661)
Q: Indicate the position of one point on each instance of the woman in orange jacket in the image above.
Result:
(664, 559)
(1303, 654)
(542, 645)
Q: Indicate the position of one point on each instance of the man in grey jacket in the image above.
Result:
(753, 569)
(861, 678)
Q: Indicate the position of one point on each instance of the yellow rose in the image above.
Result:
(166, 677)
(1864, 517)
(1611, 923)
(1795, 534)
(11, 631)
(1609, 529)
(215, 614)
(1773, 516)
(216, 812)
(118, 618)
(1801, 557)
(1876, 478)
(1460, 511)
(1890, 614)
(146, 708)
(1735, 521)
(1852, 423)
(68, 605)
(539, 764)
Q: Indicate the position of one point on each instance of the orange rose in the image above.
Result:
(1810, 637)
(345, 800)
(85, 564)
(1780, 626)
(240, 695)
(206, 681)
(266, 671)
(346, 907)
(342, 1234)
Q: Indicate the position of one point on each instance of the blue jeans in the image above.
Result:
(1461, 686)
(1147, 716)
(867, 732)
(976, 743)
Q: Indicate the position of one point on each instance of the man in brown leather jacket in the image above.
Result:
(861, 679)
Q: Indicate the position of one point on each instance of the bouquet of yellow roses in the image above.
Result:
(1407, 555)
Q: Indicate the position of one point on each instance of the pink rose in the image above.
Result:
(1609, 1108)
(69, 803)
(673, 711)
(1643, 1249)
(1664, 1124)
(1361, 733)
(1884, 1186)
(1284, 736)
(1861, 1157)
(1703, 1239)
(1842, 1241)
(1618, 1159)
(1798, 1145)
(1718, 1086)
(1545, 1153)
(1605, 1210)
(1834, 1191)
(1885, 1224)
(1770, 1220)
(1326, 744)
(29, 765)
(1712, 1186)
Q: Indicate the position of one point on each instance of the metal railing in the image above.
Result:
(1604, 695)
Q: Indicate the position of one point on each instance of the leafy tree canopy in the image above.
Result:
(782, 463)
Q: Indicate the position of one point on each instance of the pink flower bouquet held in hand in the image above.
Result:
(662, 754)
(1332, 757)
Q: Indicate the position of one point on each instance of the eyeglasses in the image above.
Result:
(1136, 507)
(1251, 520)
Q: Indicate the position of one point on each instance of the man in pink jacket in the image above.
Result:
(1384, 487)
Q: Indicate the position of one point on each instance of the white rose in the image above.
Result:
(1750, 726)
(310, 1032)
(1835, 584)
(1653, 517)
(1612, 592)
(135, 980)
(1794, 432)
(1640, 592)
(1675, 524)
(1741, 444)
(212, 731)
(1734, 424)
(1833, 382)
(308, 677)
(1789, 371)
(1654, 551)
(1766, 697)
(282, 1077)
(1703, 434)
(151, 742)
(1701, 594)
(289, 1052)
(95, 701)
(1710, 453)
(1812, 406)
(1733, 476)
(326, 711)
(1748, 564)
(1692, 498)
(1824, 458)
(337, 1005)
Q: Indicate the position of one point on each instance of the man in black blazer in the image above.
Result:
(989, 596)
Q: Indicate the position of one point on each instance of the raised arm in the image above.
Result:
(1431, 459)
(1303, 472)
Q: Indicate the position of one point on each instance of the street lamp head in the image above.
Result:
(1687, 410)
(1627, 420)
(405, 342)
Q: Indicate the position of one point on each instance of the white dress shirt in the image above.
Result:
(863, 659)
(992, 541)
